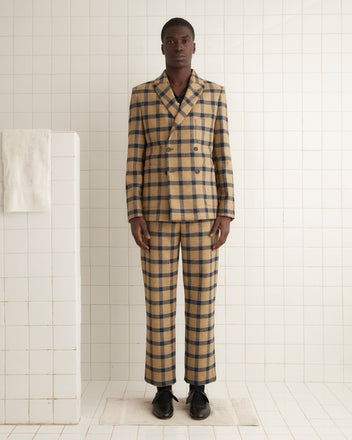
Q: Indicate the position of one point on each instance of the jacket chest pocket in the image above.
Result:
(203, 133)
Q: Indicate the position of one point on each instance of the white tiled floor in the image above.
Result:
(299, 411)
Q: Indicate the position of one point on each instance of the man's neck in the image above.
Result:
(178, 77)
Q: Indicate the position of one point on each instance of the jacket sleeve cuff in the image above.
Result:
(136, 213)
(226, 211)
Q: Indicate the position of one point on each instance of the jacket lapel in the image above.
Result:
(167, 97)
(194, 90)
(164, 91)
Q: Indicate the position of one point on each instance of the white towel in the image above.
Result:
(26, 160)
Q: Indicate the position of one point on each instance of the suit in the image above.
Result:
(179, 178)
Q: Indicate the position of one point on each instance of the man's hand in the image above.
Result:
(139, 227)
(222, 223)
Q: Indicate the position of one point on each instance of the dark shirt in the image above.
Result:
(181, 95)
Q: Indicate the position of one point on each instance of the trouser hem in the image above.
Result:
(160, 384)
(200, 382)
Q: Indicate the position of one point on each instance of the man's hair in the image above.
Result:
(177, 21)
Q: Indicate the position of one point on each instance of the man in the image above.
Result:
(179, 186)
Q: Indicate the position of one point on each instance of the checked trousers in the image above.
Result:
(200, 270)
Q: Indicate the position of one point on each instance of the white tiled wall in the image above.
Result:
(284, 297)
(40, 306)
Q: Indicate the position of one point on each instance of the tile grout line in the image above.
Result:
(28, 326)
(51, 243)
(341, 198)
(128, 224)
(324, 384)
(263, 209)
(283, 217)
(286, 385)
(90, 233)
(302, 195)
(322, 207)
(243, 140)
(109, 192)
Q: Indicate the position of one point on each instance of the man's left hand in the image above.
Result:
(222, 223)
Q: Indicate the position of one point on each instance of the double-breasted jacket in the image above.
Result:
(179, 164)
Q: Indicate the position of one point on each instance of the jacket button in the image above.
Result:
(197, 170)
(195, 148)
(168, 149)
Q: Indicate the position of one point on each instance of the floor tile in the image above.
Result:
(125, 433)
(48, 436)
(226, 433)
(150, 432)
(286, 411)
(176, 433)
(201, 433)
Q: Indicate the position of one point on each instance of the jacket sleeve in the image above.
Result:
(135, 159)
(222, 161)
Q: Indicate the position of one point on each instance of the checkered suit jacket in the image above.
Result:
(179, 165)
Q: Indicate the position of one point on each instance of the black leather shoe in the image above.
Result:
(200, 408)
(162, 404)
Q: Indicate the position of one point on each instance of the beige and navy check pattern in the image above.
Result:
(179, 178)
(200, 269)
(179, 165)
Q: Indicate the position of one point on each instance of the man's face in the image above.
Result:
(178, 47)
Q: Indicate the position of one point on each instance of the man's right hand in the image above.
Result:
(139, 227)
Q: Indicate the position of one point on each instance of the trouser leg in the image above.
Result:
(200, 270)
(159, 267)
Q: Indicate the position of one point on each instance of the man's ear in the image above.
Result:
(194, 47)
(162, 49)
